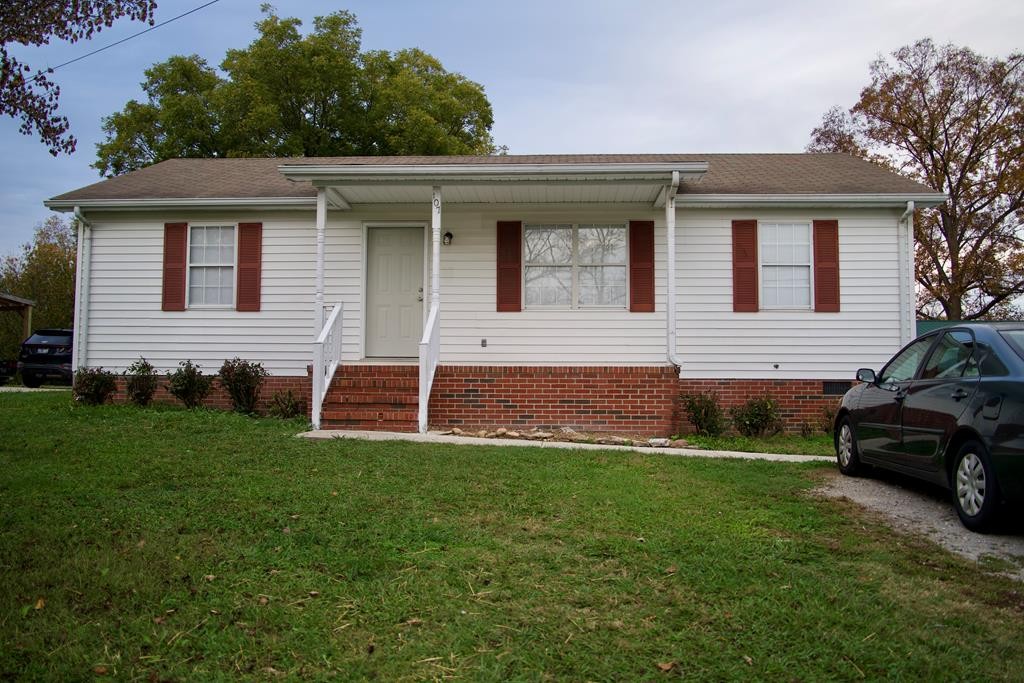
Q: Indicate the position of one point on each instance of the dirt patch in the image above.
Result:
(918, 508)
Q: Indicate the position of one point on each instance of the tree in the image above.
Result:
(953, 120)
(34, 99)
(287, 94)
(45, 273)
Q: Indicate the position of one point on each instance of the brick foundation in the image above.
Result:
(801, 401)
(301, 387)
(634, 400)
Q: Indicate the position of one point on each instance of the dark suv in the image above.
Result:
(44, 355)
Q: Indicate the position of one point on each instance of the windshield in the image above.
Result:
(1016, 340)
(49, 338)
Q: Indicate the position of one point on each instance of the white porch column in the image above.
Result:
(670, 273)
(435, 242)
(321, 227)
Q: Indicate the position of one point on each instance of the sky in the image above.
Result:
(562, 76)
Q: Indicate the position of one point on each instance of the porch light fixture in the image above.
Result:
(447, 239)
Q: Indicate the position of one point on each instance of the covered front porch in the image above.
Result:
(557, 191)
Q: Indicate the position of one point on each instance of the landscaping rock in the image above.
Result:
(513, 435)
(457, 432)
(541, 435)
(658, 443)
(501, 431)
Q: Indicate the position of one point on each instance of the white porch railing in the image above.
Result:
(326, 359)
(430, 353)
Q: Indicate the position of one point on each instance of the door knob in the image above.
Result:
(959, 394)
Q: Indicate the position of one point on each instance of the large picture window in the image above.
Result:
(211, 265)
(575, 265)
(785, 250)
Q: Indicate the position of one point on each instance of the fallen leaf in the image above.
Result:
(412, 622)
(334, 493)
(641, 539)
(314, 594)
(141, 543)
(263, 600)
(287, 530)
(159, 620)
(294, 516)
(672, 569)
(666, 666)
(209, 577)
(748, 660)
(215, 611)
(273, 672)
(40, 603)
(100, 670)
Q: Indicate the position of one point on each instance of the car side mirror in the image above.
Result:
(866, 375)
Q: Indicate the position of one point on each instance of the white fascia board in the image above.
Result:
(469, 172)
(729, 201)
(181, 202)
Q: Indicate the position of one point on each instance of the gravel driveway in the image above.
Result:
(915, 507)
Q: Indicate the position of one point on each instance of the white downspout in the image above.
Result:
(906, 268)
(321, 226)
(670, 270)
(435, 244)
(79, 349)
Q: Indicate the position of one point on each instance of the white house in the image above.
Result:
(515, 291)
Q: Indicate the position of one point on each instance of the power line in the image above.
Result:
(136, 35)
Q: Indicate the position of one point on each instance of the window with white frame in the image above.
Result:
(211, 265)
(575, 265)
(785, 250)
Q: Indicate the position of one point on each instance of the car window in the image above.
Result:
(904, 365)
(1016, 340)
(48, 338)
(951, 357)
(990, 366)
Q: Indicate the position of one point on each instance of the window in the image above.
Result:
(575, 266)
(904, 365)
(952, 357)
(211, 265)
(785, 250)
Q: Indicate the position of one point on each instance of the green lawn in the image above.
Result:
(169, 545)
(818, 444)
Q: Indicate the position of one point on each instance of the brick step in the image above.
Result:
(366, 425)
(355, 397)
(375, 383)
(366, 408)
(382, 415)
(378, 371)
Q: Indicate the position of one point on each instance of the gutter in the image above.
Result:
(450, 172)
(79, 353)
(670, 275)
(877, 200)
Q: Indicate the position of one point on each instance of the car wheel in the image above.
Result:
(847, 454)
(32, 381)
(975, 490)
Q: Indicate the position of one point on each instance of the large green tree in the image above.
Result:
(28, 94)
(953, 120)
(44, 272)
(289, 94)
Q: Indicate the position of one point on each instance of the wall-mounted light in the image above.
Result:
(447, 239)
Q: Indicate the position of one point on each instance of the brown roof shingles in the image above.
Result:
(727, 174)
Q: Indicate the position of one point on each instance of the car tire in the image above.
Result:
(32, 381)
(975, 490)
(847, 453)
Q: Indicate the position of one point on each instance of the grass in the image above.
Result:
(818, 444)
(166, 544)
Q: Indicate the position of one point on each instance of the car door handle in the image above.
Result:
(959, 394)
(900, 395)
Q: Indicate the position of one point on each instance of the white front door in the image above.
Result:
(394, 292)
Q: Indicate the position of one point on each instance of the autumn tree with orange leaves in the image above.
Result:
(953, 120)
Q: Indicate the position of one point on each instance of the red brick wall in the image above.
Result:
(800, 400)
(218, 398)
(636, 400)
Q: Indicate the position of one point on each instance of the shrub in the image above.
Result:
(757, 416)
(93, 385)
(141, 382)
(828, 418)
(284, 405)
(705, 414)
(188, 384)
(243, 381)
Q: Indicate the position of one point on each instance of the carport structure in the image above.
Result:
(9, 302)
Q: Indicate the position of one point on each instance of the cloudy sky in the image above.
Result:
(563, 76)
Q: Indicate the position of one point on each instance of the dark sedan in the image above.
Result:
(949, 409)
(46, 355)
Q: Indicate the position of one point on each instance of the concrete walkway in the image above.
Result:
(433, 437)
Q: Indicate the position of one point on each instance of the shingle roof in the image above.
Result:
(727, 174)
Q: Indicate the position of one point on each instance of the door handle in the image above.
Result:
(959, 394)
(419, 295)
(900, 395)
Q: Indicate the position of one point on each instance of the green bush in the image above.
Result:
(285, 405)
(243, 381)
(828, 418)
(705, 413)
(188, 384)
(757, 417)
(93, 386)
(141, 382)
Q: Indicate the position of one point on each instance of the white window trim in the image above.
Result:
(574, 295)
(188, 268)
(760, 266)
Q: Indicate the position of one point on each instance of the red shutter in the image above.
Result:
(175, 249)
(250, 266)
(826, 266)
(641, 266)
(510, 266)
(744, 266)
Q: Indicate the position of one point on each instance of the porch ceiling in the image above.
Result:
(509, 192)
